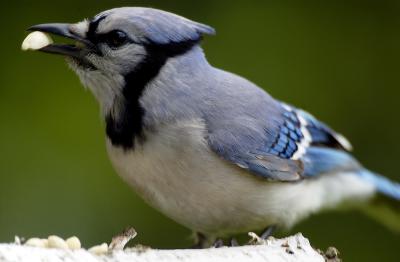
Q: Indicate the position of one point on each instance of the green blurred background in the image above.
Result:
(337, 59)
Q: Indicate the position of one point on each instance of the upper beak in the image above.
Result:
(64, 49)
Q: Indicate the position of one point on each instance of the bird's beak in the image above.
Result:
(77, 51)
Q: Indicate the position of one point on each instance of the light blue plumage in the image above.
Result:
(206, 147)
(156, 26)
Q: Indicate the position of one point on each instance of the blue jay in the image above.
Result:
(206, 147)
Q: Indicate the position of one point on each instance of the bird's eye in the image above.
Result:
(115, 39)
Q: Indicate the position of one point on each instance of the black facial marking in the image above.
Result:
(116, 39)
(129, 125)
(91, 33)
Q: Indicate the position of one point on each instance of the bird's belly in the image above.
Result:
(175, 171)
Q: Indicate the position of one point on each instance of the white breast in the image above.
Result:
(175, 171)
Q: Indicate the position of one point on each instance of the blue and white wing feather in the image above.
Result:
(291, 149)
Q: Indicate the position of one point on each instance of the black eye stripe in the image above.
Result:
(112, 34)
(93, 25)
(114, 38)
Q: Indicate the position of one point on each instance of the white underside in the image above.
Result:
(176, 172)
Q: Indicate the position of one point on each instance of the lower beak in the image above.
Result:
(64, 30)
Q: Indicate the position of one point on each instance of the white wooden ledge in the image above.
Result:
(294, 248)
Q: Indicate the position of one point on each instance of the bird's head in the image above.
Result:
(123, 46)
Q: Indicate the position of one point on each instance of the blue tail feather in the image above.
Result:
(383, 185)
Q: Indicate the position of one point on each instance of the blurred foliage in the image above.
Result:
(337, 59)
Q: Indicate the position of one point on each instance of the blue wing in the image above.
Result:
(292, 145)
